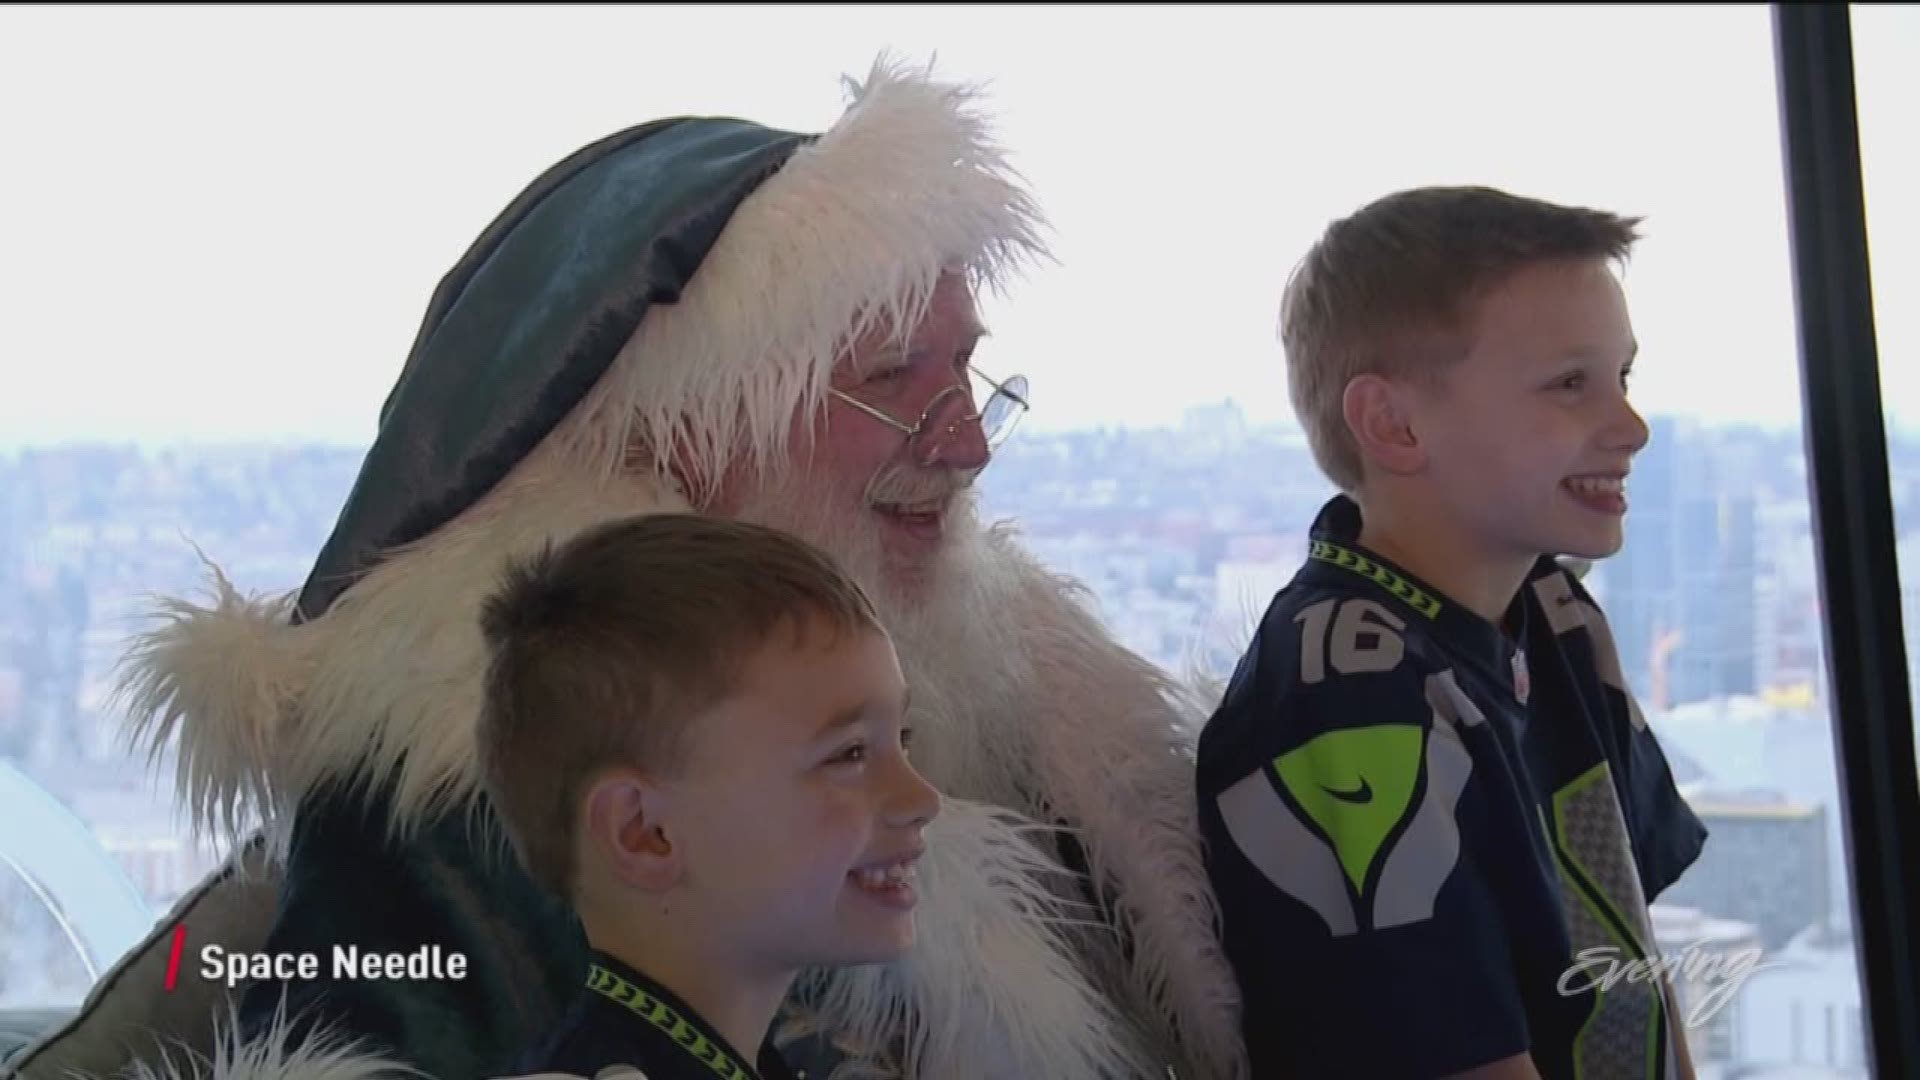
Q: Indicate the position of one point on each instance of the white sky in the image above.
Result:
(225, 223)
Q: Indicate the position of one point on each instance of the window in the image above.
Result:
(67, 912)
(1797, 1043)
(265, 274)
(1886, 44)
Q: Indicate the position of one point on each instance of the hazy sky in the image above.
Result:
(225, 223)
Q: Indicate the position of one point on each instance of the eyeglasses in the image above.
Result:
(947, 413)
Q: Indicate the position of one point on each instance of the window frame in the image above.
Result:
(1854, 540)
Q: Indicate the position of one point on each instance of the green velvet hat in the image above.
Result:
(531, 317)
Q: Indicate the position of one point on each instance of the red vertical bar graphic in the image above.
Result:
(173, 962)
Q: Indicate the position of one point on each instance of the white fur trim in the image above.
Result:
(991, 926)
(386, 685)
(852, 233)
(223, 678)
(273, 1055)
(1115, 738)
(398, 692)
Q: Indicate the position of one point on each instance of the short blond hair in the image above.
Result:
(1389, 290)
(601, 651)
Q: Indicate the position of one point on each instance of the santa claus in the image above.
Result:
(695, 314)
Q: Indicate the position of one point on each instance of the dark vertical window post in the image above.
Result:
(1853, 519)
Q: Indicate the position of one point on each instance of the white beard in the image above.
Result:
(951, 622)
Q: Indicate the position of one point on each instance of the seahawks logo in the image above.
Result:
(1335, 825)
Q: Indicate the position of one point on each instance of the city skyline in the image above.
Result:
(1168, 537)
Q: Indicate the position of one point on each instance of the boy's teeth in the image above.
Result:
(1595, 485)
(897, 874)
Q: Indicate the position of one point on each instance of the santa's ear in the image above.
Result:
(680, 468)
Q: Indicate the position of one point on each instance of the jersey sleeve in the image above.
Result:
(1354, 850)
(1667, 835)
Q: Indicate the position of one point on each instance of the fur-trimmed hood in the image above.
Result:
(369, 671)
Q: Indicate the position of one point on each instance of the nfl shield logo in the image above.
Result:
(1521, 685)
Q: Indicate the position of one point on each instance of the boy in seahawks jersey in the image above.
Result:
(692, 734)
(1427, 794)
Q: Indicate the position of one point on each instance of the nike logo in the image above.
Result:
(1361, 794)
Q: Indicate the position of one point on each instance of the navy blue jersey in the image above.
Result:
(627, 1022)
(1419, 828)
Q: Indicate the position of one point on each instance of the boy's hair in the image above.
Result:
(1388, 291)
(602, 650)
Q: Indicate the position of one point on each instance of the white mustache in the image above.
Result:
(900, 485)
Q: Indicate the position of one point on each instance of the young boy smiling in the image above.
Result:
(1427, 791)
(693, 733)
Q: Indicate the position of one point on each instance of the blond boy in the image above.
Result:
(1427, 792)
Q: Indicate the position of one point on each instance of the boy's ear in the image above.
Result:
(627, 834)
(1378, 412)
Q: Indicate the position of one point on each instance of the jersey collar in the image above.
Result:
(1335, 555)
(659, 1012)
